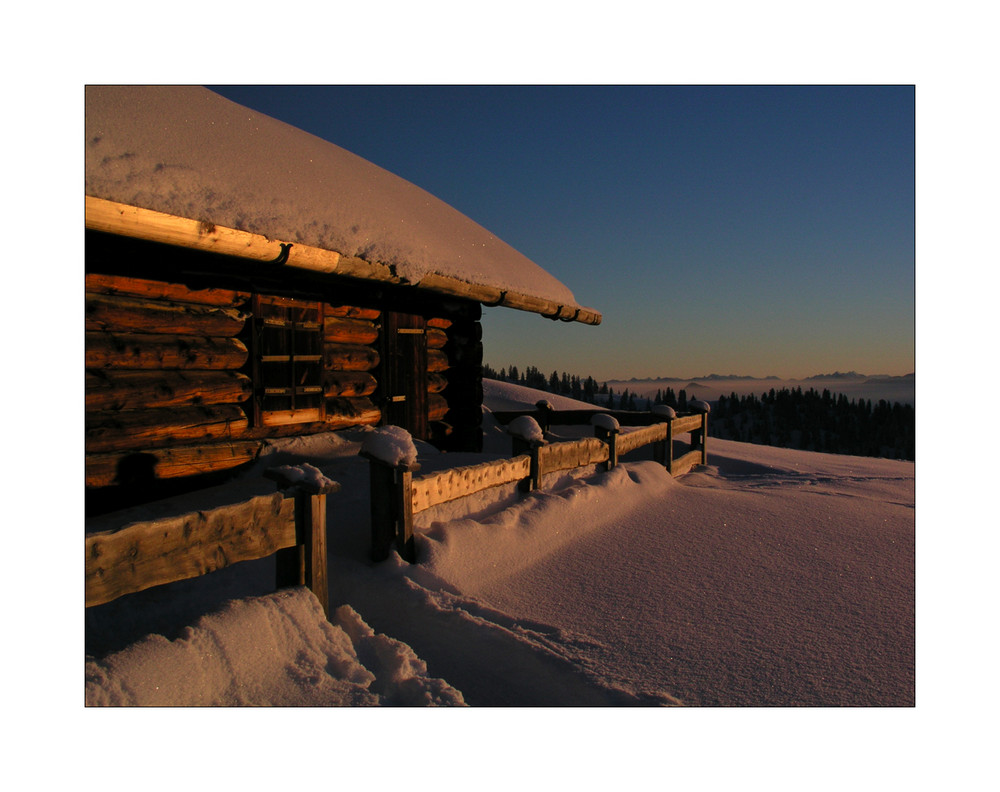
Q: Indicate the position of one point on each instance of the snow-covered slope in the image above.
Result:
(769, 577)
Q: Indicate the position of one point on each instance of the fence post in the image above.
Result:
(704, 438)
(519, 446)
(699, 438)
(606, 429)
(391, 495)
(663, 450)
(306, 563)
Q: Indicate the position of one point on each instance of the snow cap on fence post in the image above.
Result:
(527, 437)
(526, 428)
(700, 406)
(394, 459)
(606, 422)
(392, 445)
(665, 411)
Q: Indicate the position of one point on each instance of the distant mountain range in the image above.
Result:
(837, 375)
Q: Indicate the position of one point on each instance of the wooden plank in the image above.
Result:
(147, 554)
(436, 339)
(437, 407)
(348, 383)
(350, 357)
(575, 453)
(349, 331)
(444, 486)
(437, 361)
(686, 423)
(139, 223)
(141, 429)
(133, 390)
(436, 382)
(150, 351)
(683, 464)
(342, 413)
(105, 470)
(351, 312)
(113, 314)
(97, 283)
(629, 441)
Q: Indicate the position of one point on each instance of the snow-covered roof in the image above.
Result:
(187, 152)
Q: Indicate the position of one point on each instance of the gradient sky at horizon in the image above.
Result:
(753, 230)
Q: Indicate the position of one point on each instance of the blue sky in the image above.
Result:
(748, 230)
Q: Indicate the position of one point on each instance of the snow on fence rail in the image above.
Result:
(396, 495)
(291, 524)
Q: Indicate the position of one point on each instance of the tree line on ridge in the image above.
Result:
(810, 420)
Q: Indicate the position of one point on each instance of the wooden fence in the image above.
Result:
(396, 495)
(290, 524)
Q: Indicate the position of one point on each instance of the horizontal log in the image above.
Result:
(147, 554)
(683, 464)
(629, 441)
(348, 383)
(342, 413)
(437, 407)
(448, 485)
(436, 382)
(140, 429)
(150, 351)
(350, 331)
(112, 314)
(160, 290)
(136, 390)
(575, 453)
(439, 322)
(133, 221)
(686, 423)
(350, 357)
(105, 470)
(437, 361)
(351, 312)
(436, 339)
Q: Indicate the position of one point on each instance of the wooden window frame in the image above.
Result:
(300, 385)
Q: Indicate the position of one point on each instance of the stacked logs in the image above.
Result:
(163, 386)
(167, 391)
(463, 394)
(350, 360)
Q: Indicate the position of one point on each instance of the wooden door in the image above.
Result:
(404, 372)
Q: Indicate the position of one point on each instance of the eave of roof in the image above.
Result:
(186, 166)
(147, 224)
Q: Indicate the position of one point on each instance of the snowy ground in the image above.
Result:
(769, 577)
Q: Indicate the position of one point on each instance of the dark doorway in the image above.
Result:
(404, 372)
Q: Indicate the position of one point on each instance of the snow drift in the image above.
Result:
(770, 577)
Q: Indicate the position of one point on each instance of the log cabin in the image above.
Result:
(246, 280)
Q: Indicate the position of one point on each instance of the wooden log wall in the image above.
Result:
(167, 391)
(164, 387)
(458, 358)
(168, 377)
(350, 365)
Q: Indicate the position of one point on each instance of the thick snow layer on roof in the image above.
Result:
(189, 152)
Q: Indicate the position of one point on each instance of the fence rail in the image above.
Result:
(397, 495)
(290, 524)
